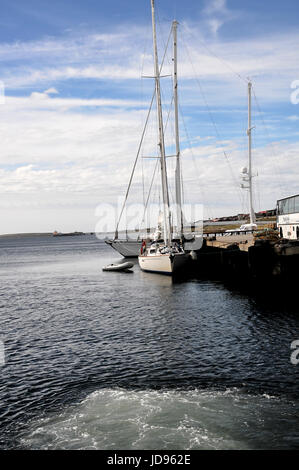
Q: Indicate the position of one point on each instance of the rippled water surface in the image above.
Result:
(116, 361)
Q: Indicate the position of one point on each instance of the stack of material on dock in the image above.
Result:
(287, 248)
(240, 241)
(267, 234)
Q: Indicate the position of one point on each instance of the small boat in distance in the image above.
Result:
(71, 234)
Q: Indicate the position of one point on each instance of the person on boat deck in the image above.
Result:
(157, 235)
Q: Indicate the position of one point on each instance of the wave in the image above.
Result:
(169, 419)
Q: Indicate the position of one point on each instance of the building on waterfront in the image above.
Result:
(288, 217)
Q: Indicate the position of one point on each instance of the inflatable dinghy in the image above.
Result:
(118, 267)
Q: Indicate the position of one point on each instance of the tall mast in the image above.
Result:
(178, 189)
(249, 130)
(166, 211)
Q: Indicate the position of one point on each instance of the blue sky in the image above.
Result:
(34, 19)
(75, 103)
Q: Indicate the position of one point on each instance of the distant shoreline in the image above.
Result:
(19, 235)
(35, 234)
(207, 225)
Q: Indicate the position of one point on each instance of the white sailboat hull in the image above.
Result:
(163, 263)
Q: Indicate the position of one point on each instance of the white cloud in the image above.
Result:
(43, 101)
(215, 6)
(35, 95)
(56, 136)
(215, 24)
(269, 61)
(216, 14)
(52, 91)
(57, 159)
(76, 189)
(293, 118)
(58, 156)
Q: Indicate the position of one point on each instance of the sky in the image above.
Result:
(74, 99)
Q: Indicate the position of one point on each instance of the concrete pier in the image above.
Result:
(243, 241)
(247, 258)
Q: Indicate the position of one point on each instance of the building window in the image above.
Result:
(291, 207)
(288, 206)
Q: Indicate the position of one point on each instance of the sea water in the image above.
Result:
(107, 360)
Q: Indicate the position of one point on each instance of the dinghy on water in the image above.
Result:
(118, 267)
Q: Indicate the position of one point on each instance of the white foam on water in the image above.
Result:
(173, 419)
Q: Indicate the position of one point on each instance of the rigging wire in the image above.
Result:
(141, 101)
(256, 187)
(147, 200)
(165, 128)
(165, 45)
(149, 193)
(223, 61)
(143, 186)
(214, 124)
(274, 154)
(134, 166)
(140, 144)
(201, 190)
(246, 80)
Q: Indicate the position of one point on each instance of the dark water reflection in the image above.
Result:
(70, 329)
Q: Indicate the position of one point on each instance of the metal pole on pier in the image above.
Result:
(249, 130)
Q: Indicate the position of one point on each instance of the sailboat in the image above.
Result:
(181, 240)
(168, 257)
